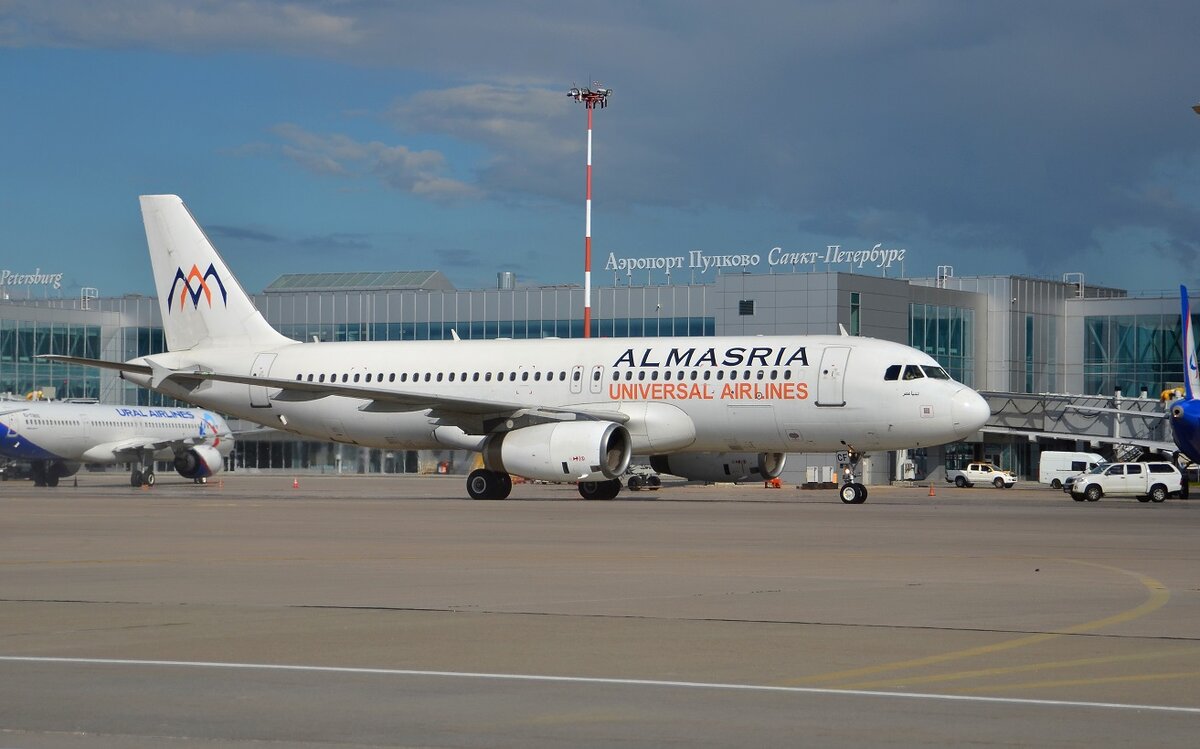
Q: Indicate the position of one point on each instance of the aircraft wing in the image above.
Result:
(129, 449)
(447, 406)
(7, 411)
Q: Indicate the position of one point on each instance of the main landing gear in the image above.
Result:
(141, 473)
(487, 484)
(600, 489)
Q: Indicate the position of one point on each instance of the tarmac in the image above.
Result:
(393, 611)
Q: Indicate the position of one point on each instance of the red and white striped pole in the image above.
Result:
(587, 238)
(591, 99)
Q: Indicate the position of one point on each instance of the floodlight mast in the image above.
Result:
(590, 98)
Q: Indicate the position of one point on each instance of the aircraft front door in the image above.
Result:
(261, 368)
(831, 379)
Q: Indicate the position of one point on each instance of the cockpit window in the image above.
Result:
(936, 373)
(892, 373)
(913, 372)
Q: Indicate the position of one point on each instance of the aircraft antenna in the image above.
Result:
(597, 96)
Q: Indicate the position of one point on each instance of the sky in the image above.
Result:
(1034, 138)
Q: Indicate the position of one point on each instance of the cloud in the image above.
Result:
(1031, 132)
(177, 25)
(421, 173)
(241, 233)
(338, 242)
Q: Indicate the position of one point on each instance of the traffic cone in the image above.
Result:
(295, 483)
(931, 489)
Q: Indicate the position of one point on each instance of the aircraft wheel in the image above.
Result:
(51, 479)
(503, 486)
(850, 494)
(653, 482)
(862, 493)
(483, 484)
(148, 478)
(1093, 493)
(135, 478)
(960, 482)
(635, 483)
(599, 489)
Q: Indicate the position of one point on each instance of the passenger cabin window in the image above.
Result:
(913, 372)
(893, 372)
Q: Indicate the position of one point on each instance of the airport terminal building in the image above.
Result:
(998, 334)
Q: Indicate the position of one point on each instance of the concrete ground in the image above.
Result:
(394, 612)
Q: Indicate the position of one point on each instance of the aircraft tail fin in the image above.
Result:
(1191, 380)
(202, 304)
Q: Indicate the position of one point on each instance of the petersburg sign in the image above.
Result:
(37, 278)
(878, 257)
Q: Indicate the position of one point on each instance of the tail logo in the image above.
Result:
(200, 288)
(209, 424)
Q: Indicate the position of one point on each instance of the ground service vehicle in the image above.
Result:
(981, 473)
(1054, 468)
(1149, 482)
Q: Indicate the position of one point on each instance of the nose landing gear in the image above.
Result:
(851, 491)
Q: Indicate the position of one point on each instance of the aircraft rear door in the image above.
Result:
(831, 379)
(261, 368)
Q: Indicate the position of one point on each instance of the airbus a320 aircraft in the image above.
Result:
(57, 437)
(548, 409)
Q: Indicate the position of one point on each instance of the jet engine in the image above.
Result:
(720, 467)
(198, 462)
(562, 451)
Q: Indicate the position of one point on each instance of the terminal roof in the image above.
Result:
(360, 281)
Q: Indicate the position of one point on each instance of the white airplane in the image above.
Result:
(715, 409)
(56, 437)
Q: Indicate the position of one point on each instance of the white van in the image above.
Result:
(1055, 467)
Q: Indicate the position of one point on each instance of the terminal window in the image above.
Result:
(746, 307)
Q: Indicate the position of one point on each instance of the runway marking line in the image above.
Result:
(1159, 595)
(601, 681)
(1042, 666)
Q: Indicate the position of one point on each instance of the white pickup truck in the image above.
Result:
(981, 473)
(1149, 482)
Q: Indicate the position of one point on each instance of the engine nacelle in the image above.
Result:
(720, 467)
(562, 451)
(198, 462)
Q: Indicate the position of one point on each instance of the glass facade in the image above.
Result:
(469, 330)
(21, 341)
(1131, 352)
(947, 334)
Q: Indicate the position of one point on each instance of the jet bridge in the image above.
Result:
(1130, 426)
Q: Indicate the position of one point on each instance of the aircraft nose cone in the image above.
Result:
(969, 412)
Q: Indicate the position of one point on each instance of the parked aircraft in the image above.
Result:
(56, 437)
(549, 409)
(1184, 413)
